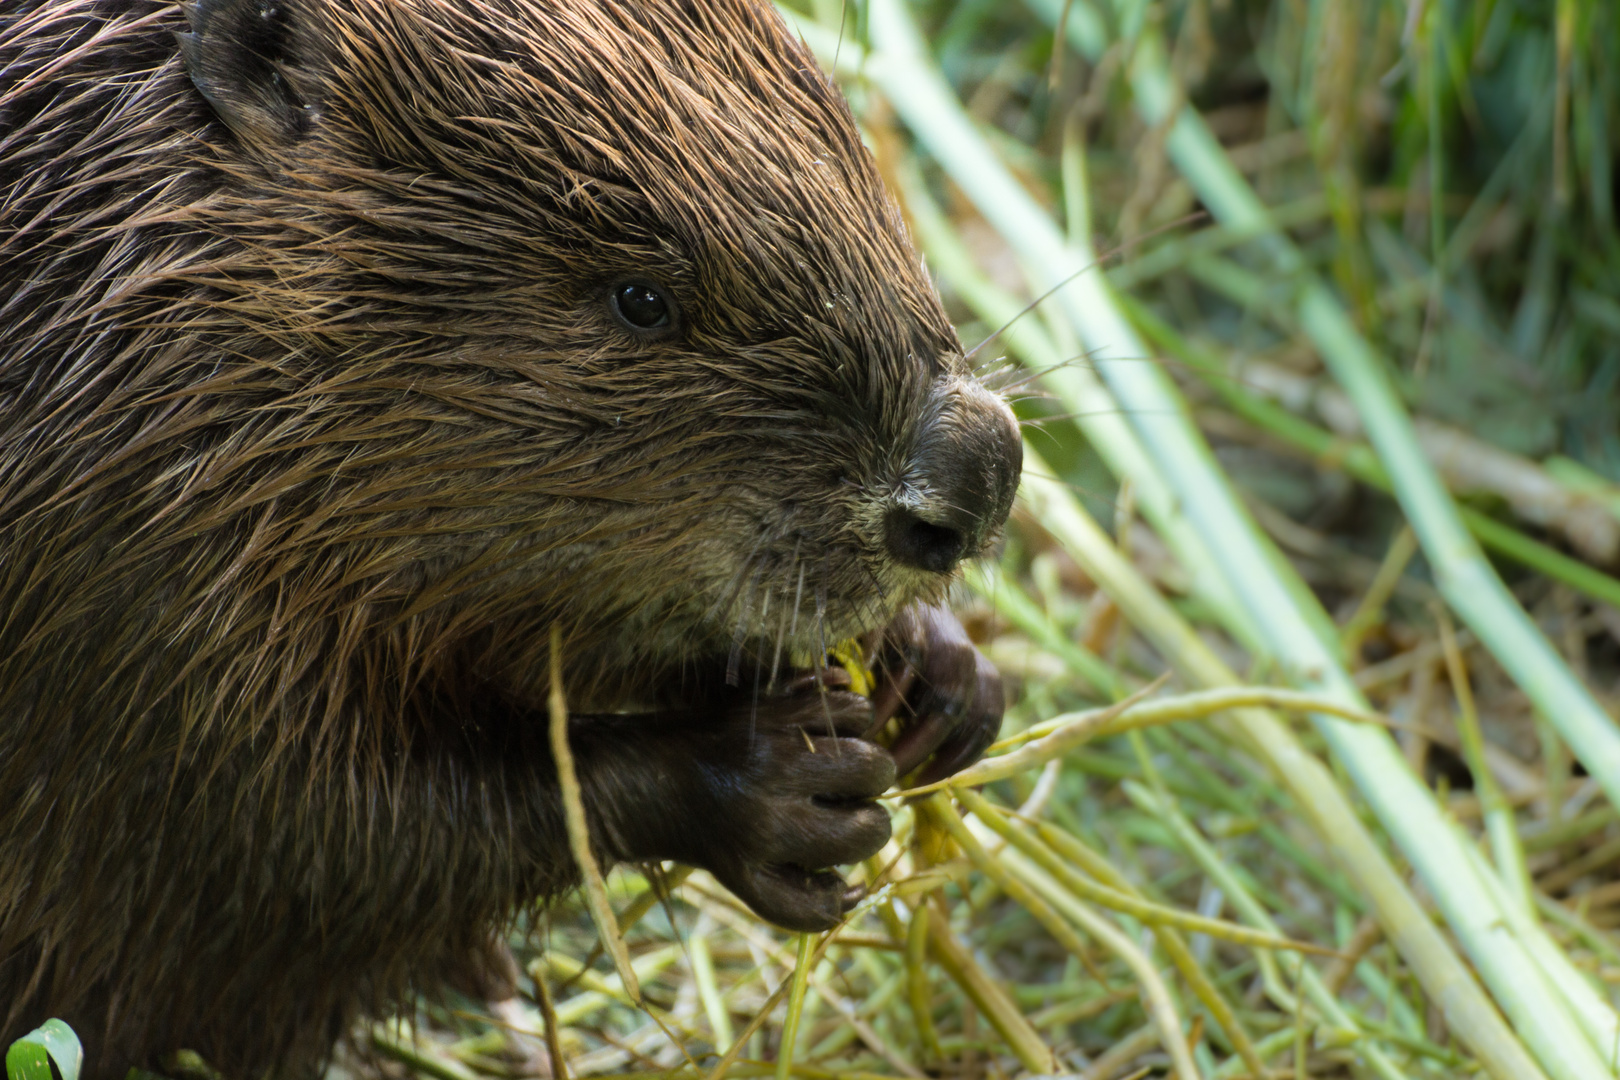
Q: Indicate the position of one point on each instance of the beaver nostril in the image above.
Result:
(923, 544)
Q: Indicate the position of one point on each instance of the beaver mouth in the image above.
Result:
(794, 626)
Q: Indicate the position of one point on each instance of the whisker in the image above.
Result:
(821, 621)
(728, 595)
(798, 598)
(1027, 375)
(821, 660)
(1035, 422)
(753, 708)
(1095, 264)
(740, 635)
(781, 627)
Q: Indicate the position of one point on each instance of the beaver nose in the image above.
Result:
(962, 476)
(924, 544)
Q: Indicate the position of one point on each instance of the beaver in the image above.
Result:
(348, 347)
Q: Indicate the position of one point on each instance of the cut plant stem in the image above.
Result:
(579, 837)
(989, 996)
(795, 1006)
(1500, 825)
(1112, 895)
(1370, 609)
(918, 992)
(1134, 714)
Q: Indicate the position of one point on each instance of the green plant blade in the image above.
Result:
(30, 1057)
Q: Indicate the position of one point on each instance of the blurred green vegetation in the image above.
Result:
(1354, 121)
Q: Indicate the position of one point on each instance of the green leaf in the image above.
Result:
(30, 1057)
(27, 1060)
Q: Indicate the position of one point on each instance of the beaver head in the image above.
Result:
(474, 317)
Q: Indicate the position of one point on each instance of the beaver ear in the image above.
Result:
(244, 57)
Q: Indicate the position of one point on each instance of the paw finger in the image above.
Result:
(790, 897)
(974, 733)
(844, 769)
(949, 661)
(826, 678)
(820, 714)
(919, 740)
(890, 695)
(835, 835)
(966, 745)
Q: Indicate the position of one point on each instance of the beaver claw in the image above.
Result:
(947, 693)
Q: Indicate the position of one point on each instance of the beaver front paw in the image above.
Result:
(947, 694)
(766, 794)
(810, 782)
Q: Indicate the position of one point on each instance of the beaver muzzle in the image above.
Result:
(960, 482)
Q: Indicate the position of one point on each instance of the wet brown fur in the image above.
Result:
(311, 428)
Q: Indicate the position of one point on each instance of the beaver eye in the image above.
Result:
(641, 306)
